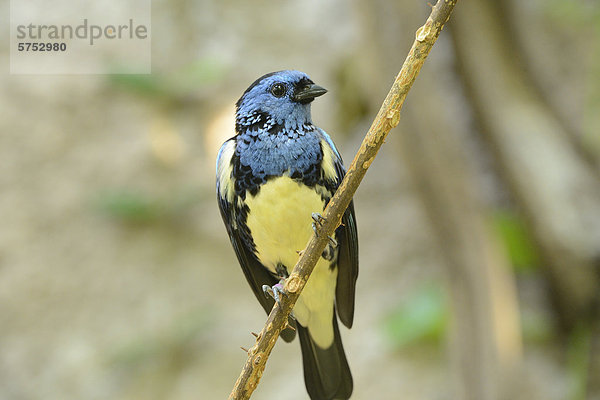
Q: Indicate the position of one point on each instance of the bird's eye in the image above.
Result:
(278, 90)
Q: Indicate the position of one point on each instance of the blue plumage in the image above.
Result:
(277, 170)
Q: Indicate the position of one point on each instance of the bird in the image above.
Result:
(274, 178)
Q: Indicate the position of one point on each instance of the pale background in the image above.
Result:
(117, 280)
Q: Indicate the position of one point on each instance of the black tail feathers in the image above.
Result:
(326, 372)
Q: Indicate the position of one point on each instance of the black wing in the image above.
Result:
(256, 274)
(347, 238)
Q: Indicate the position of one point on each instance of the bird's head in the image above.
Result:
(284, 96)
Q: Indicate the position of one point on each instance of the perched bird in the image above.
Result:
(272, 176)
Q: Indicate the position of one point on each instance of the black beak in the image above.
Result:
(308, 93)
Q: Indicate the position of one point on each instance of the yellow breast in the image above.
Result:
(280, 222)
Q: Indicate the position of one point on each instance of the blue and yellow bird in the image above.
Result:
(272, 176)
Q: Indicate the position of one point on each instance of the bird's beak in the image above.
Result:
(308, 93)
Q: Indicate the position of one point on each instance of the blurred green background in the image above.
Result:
(479, 222)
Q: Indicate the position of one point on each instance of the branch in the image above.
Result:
(387, 118)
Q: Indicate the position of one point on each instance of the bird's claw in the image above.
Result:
(332, 241)
(275, 291)
(318, 221)
(317, 218)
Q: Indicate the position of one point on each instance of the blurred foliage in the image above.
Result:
(521, 250)
(536, 327)
(578, 358)
(135, 207)
(35, 362)
(177, 84)
(583, 19)
(573, 12)
(179, 338)
(421, 319)
(352, 104)
(149, 366)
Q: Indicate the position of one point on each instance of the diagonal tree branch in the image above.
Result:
(387, 118)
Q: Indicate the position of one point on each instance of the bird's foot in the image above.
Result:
(318, 218)
(275, 291)
(329, 253)
(318, 221)
(332, 242)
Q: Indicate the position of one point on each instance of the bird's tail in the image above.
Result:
(326, 372)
